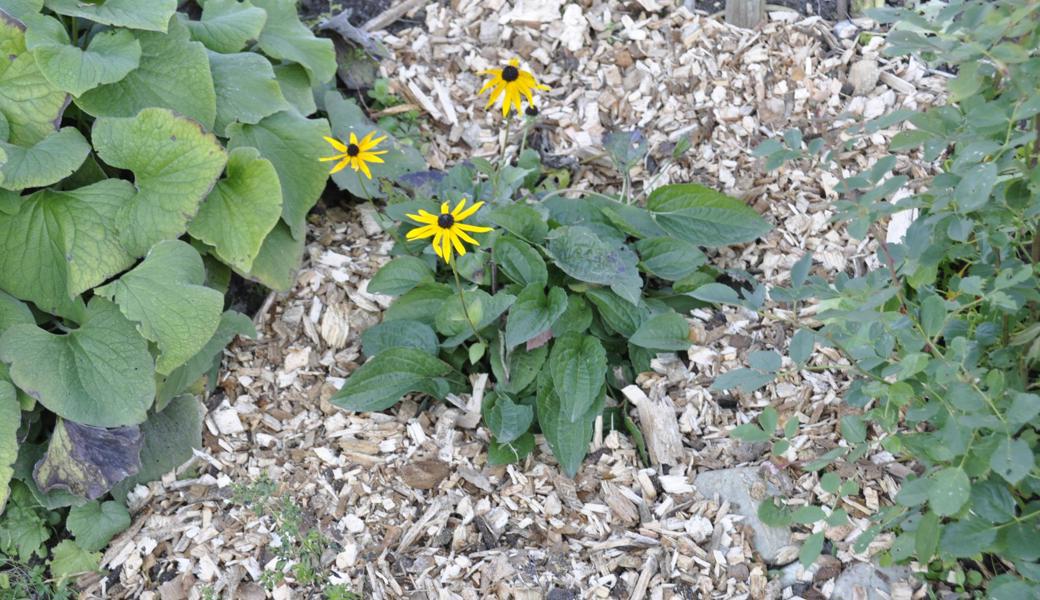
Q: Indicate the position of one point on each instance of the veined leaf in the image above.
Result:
(228, 25)
(578, 364)
(87, 461)
(383, 381)
(279, 259)
(132, 14)
(95, 523)
(286, 38)
(533, 313)
(296, 87)
(519, 261)
(12, 312)
(580, 253)
(669, 258)
(246, 88)
(109, 56)
(30, 105)
(400, 275)
(666, 331)
(231, 324)
(52, 159)
(568, 439)
(703, 216)
(69, 559)
(504, 453)
(10, 421)
(419, 304)
(618, 314)
(399, 334)
(506, 419)
(167, 441)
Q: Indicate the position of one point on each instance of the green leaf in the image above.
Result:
(519, 261)
(173, 73)
(533, 313)
(749, 432)
(381, 382)
(21, 9)
(568, 438)
(22, 530)
(293, 144)
(52, 159)
(926, 538)
(830, 482)
(482, 308)
(1013, 459)
(228, 25)
(811, 549)
(168, 438)
(10, 420)
(966, 537)
(510, 452)
(246, 88)
(420, 304)
(69, 559)
(400, 275)
(165, 296)
(87, 461)
(521, 220)
(399, 334)
(669, 258)
(175, 165)
(801, 346)
(1024, 408)
(279, 259)
(95, 523)
(578, 316)
(703, 216)
(580, 253)
(133, 14)
(618, 314)
(231, 324)
(31, 106)
(506, 419)
(765, 360)
(933, 315)
(109, 56)
(100, 374)
(523, 367)
(296, 87)
(12, 312)
(991, 500)
(976, 184)
(949, 489)
(285, 37)
(748, 380)
(808, 514)
(665, 331)
(241, 210)
(716, 293)
(853, 429)
(578, 365)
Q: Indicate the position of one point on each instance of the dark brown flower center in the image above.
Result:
(445, 221)
(531, 110)
(510, 73)
(353, 150)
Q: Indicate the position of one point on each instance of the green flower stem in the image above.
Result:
(462, 299)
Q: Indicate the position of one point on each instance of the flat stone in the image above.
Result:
(744, 489)
(863, 75)
(867, 581)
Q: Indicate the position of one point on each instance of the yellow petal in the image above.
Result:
(473, 228)
(462, 234)
(368, 137)
(507, 101)
(493, 72)
(437, 242)
(495, 93)
(364, 169)
(459, 247)
(446, 246)
(421, 233)
(328, 158)
(542, 87)
(368, 157)
(469, 211)
(458, 207)
(444, 207)
(367, 143)
(339, 166)
(515, 62)
(376, 152)
(423, 218)
(338, 145)
(353, 138)
(488, 85)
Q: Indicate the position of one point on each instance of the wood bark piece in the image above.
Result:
(745, 13)
(392, 14)
(660, 426)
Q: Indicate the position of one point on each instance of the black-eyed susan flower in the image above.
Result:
(357, 153)
(510, 83)
(447, 229)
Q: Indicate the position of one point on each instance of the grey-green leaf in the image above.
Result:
(246, 89)
(108, 58)
(578, 365)
(568, 438)
(399, 334)
(533, 313)
(508, 420)
(703, 216)
(132, 14)
(286, 38)
(50, 160)
(1013, 459)
(383, 381)
(669, 258)
(168, 438)
(228, 25)
(950, 489)
(519, 261)
(95, 523)
(665, 331)
(400, 275)
(580, 253)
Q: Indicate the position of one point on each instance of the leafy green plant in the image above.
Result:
(942, 336)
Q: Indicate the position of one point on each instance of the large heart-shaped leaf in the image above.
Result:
(580, 253)
(60, 244)
(293, 144)
(703, 216)
(166, 297)
(246, 88)
(152, 15)
(285, 37)
(231, 324)
(578, 365)
(30, 105)
(52, 159)
(10, 420)
(21, 9)
(228, 25)
(296, 87)
(175, 164)
(168, 438)
(173, 73)
(13, 312)
(568, 438)
(95, 523)
(109, 56)
(381, 382)
(241, 210)
(100, 374)
(278, 260)
(87, 461)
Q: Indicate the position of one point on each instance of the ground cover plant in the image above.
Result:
(944, 336)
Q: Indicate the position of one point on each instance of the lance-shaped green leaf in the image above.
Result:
(246, 88)
(168, 438)
(166, 297)
(60, 244)
(175, 165)
(580, 253)
(703, 216)
(568, 439)
(52, 159)
(293, 144)
(109, 56)
(10, 420)
(285, 37)
(578, 365)
(383, 381)
(279, 259)
(533, 313)
(241, 210)
(100, 374)
(87, 461)
(132, 14)
(399, 334)
(506, 419)
(95, 523)
(228, 25)
(31, 105)
(666, 331)
(173, 73)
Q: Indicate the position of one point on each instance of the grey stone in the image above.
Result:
(744, 489)
(867, 581)
(863, 75)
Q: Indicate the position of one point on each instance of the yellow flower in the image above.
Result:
(356, 154)
(512, 81)
(447, 228)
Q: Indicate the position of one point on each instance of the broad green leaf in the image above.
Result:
(1024, 408)
(231, 324)
(399, 334)
(279, 259)
(703, 216)
(749, 432)
(400, 275)
(381, 382)
(10, 421)
(296, 87)
(933, 315)
(30, 105)
(175, 165)
(241, 210)
(801, 346)
(568, 438)
(533, 313)
(22, 530)
(246, 89)
(481, 308)
(13, 312)
(69, 559)
(666, 331)
(52, 159)
(748, 380)
(519, 369)
(1013, 459)
(616, 312)
(578, 316)
(60, 244)
(173, 73)
(578, 365)
(991, 500)
(109, 57)
(100, 374)
(717, 293)
(285, 37)
(228, 25)
(21, 9)
(926, 538)
(519, 261)
(165, 296)
(950, 488)
(811, 549)
(87, 461)
(420, 304)
(293, 144)
(973, 191)
(132, 14)
(669, 258)
(521, 220)
(95, 523)
(967, 537)
(510, 452)
(853, 429)
(581, 254)
(168, 438)
(506, 419)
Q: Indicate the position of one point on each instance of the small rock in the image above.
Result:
(744, 489)
(353, 523)
(867, 581)
(699, 528)
(863, 75)
(424, 474)
(845, 29)
(227, 421)
(347, 558)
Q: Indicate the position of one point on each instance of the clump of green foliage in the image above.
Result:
(944, 337)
